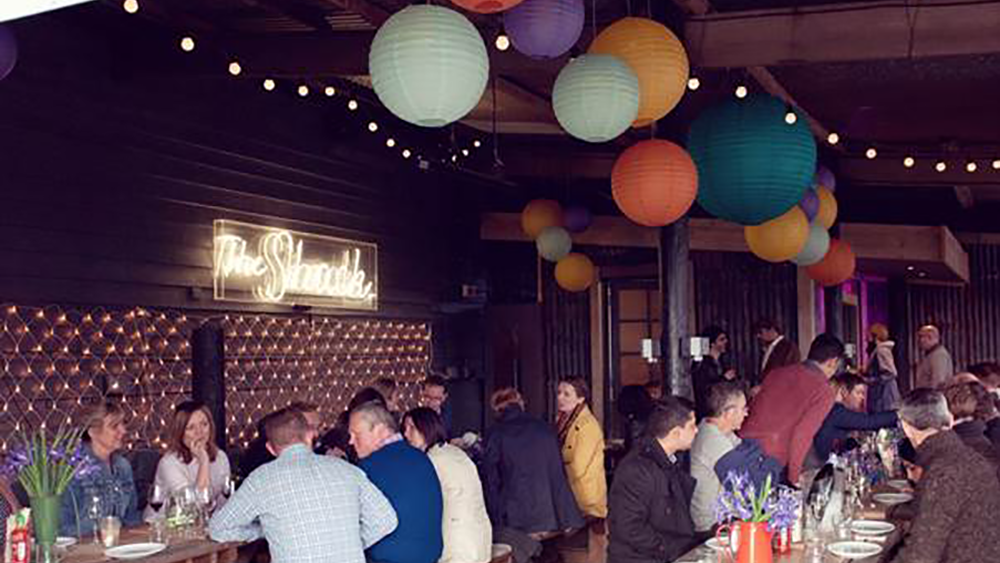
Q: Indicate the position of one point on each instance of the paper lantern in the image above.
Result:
(576, 219)
(596, 98)
(752, 165)
(544, 29)
(428, 65)
(836, 267)
(658, 59)
(575, 272)
(779, 239)
(824, 177)
(654, 182)
(809, 204)
(538, 215)
(486, 6)
(826, 215)
(554, 243)
(816, 246)
(8, 51)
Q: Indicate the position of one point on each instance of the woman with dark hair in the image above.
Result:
(971, 406)
(192, 459)
(709, 370)
(582, 443)
(466, 529)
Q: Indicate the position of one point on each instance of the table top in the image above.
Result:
(178, 549)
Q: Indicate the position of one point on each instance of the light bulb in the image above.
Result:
(352, 105)
(187, 44)
(503, 42)
(741, 91)
(871, 153)
(390, 142)
(235, 69)
(406, 153)
(372, 126)
(303, 90)
(791, 118)
(330, 91)
(909, 162)
(477, 143)
(940, 166)
(996, 164)
(454, 158)
(465, 152)
(971, 166)
(833, 138)
(268, 84)
(131, 6)
(694, 83)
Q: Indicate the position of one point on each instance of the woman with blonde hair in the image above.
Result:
(582, 444)
(881, 375)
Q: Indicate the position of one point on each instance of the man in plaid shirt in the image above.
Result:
(309, 508)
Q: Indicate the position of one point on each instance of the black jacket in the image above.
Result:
(525, 482)
(973, 434)
(649, 508)
(839, 424)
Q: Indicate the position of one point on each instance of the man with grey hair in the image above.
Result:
(406, 476)
(936, 367)
(958, 493)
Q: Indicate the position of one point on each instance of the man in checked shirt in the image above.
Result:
(309, 508)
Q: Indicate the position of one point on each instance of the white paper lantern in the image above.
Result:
(428, 65)
(596, 97)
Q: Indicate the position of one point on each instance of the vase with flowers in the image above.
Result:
(753, 514)
(45, 466)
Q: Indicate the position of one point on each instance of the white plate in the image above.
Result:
(714, 544)
(899, 484)
(134, 551)
(854, 549)
(62, 542)
(872, 527)
(892, 498)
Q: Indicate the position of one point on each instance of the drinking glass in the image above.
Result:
(111, 527)
(157, 496)
(95, 511)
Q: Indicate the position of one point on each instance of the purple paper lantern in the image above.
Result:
(810, 204)
(576, 219)
(825, 178)
(544, 29)
(8, 51)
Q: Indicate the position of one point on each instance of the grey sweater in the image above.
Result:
(935, 368)
(710, 444)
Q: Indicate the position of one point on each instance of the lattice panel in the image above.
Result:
(55, 362)
(272, 361)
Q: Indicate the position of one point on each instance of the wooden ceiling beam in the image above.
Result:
(843, 33)
(370, 12)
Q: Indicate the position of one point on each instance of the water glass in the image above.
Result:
(111, 527)
(158, 532)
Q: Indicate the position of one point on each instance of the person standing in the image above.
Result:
(709, 370)
(649, 513)
(936, 367)
(310, 508)
(778, 351)
(582, 444)
(847, 415)
(434, 395)
(882, 376)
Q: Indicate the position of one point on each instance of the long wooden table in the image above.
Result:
(178, 550)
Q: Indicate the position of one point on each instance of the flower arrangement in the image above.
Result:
(740, 500)
(46, 466)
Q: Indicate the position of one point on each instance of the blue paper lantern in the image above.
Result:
(752, 165)
(824, 177)
(428, 65)
(554, 243)
(596, 97)
(8, 51)
(816, 246)
(577, 218)
(544, 29)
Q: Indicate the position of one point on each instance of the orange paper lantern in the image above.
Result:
(486, 6)
(827, 213)
(779, 239)
(836, 267)
(656, 56)
(654, 182)
(575, 272)
(538, 215)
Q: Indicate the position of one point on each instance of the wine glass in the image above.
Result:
(228, 487)
(95, 511)
(157, 496)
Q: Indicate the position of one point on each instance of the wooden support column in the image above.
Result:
(807, 311)
(208, 374)
(900, 330)
(675, 291)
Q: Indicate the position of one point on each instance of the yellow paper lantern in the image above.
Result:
(575, 272)
(779, 239)
(827, 214)
(656, 56)
(538, 215)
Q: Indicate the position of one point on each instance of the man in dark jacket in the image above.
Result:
(958, 494)
(649, 518)
(846, 416)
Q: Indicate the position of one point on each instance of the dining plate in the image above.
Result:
(872, 527)
(63, 542)
(714, 544)
(854, 549)
(899, 484)
(134, 550)
(892, 498)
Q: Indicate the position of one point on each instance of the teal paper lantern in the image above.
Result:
(428, 65)
(816, 246)
(554, 243)
(596, 97)
(753, 166)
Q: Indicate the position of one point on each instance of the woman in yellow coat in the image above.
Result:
(582, 443)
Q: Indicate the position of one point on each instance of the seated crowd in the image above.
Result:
(386, 486)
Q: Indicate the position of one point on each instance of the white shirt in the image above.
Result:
(768, 350)
(172, 474)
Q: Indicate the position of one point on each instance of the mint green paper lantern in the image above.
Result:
(596, 97)
(816, 246)
(753, 166)
(428, 65)
(554, 243)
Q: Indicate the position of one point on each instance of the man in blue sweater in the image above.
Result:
(407, 478)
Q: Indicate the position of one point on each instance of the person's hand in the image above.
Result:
(730, 374)
(199, 449)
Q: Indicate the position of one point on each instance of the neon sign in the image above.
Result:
(271, 265)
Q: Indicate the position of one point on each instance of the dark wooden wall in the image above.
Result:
(110, 184)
